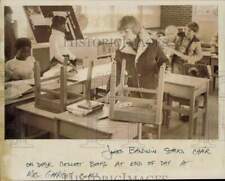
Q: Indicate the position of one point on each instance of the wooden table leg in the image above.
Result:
(196, 119)
(205, 121)
(191, 116)
(139, 127)
(22, 127)
(56, 129)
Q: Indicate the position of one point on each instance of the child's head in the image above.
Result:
(191, 29)
(59, 23)
(171, 32)
(23, 48)
(129, 28)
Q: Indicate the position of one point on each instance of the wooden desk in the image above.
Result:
(89, 127)
(21, 100)
(189, 88)
(11, 114)
(70, 126)
(29, 115)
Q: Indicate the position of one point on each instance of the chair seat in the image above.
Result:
(140, 114)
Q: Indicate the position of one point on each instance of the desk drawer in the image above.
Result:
(77, 132)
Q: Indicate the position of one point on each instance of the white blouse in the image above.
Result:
(58, 47)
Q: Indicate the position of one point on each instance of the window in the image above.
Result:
(106, 18)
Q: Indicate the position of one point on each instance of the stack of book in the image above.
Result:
(84, 107)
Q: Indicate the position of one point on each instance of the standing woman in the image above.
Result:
(143, 55)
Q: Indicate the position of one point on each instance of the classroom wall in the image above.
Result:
(175, 15)
(207, 18)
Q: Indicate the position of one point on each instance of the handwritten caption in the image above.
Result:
(109, 157)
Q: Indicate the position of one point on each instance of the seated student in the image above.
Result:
(171, 33)
(143, 55)
(189, 47)
(20, 67)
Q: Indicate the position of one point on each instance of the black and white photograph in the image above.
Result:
(112, 90)
(125, 72)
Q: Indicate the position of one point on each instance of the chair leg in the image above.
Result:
(195, 126)
(159, 131)
(180, 108)
(139, 127)
(196, 119)
(168, 112)
(205, 125)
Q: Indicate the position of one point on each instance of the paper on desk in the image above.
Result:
(54, 71)
(16, 91)
(98, 70)
(19, 82)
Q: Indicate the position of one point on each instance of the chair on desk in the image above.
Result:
(195, 70)
(54, 100)
(132, 109)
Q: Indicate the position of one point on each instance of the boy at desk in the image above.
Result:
(188, 48)
(20, 67)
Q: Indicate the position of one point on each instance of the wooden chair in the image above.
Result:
(141, 110)
(196, 70)
(54, 100)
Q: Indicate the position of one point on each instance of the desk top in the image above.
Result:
(30, 108)
(118, 129)
(185, 80)
(98, 71)
(22, 99)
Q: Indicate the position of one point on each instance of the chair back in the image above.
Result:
(136, 109)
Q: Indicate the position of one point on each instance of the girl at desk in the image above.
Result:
(57, 44)
(20, 67)
(189, 48)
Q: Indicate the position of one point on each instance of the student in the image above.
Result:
(169, 39)
(20, 67)
(10, 35)
(58, 43)
(143, 55)
(189, 46)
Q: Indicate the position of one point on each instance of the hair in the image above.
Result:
(193, 26)
(7, 10)
(57, 21)
(129, 22)
(22, 42)
(171, 29)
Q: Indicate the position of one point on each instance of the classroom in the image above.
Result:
(111, 71)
